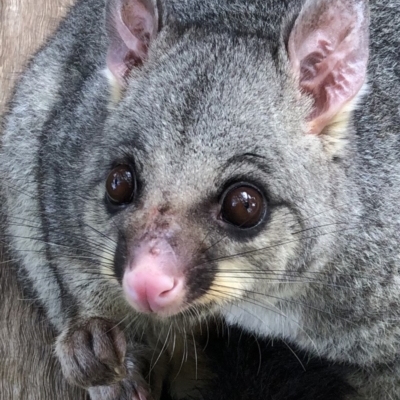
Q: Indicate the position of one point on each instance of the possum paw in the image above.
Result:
(135, 386)
(125, 390)
(128, 389)
(93, 353)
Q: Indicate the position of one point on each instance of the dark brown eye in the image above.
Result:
(120, 185)
(243, 206)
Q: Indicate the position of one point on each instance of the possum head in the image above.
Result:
(224, 158)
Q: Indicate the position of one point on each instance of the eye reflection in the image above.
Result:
(120, 185)
(243, 206)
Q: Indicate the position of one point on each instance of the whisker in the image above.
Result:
(258, 304)
(251, 252)
(162, 349)
(294, 353)
(58, 245)
(195, 354)
(292, 302)
(39, 239)
(69, 225)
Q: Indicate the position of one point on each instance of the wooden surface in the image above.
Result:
(28, 370)
(24, 25)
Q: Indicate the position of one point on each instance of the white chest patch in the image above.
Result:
(265, 321)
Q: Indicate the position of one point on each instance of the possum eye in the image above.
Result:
(120, 185)
(243, 206)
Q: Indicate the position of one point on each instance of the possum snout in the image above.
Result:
(153, 281)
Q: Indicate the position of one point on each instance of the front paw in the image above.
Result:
(92, 353)
(127, 389)
(136, 384)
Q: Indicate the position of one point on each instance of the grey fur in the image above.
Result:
(216, 86)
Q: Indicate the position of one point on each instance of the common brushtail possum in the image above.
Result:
(168, 162)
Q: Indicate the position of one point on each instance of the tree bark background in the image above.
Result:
(28, 369)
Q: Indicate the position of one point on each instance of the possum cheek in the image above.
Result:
(154, 281)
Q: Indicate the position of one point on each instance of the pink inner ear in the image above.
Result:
(132, 25)
(139, 18)
(328, 50)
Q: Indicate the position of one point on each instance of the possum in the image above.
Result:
(169, 162)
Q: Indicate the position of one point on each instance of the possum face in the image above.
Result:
(213, 181)
(218, 181)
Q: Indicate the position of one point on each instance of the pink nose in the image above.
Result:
(151, 290)
(153, 281)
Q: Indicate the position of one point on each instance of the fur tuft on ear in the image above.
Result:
(131, 25)
(328, 51)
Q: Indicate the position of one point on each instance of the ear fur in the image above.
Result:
(131, 26)
(328, 51)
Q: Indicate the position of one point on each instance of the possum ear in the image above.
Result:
(328, 51)
(131, 26)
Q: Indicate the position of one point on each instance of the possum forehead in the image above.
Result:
(218, 91)
(194, 111)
